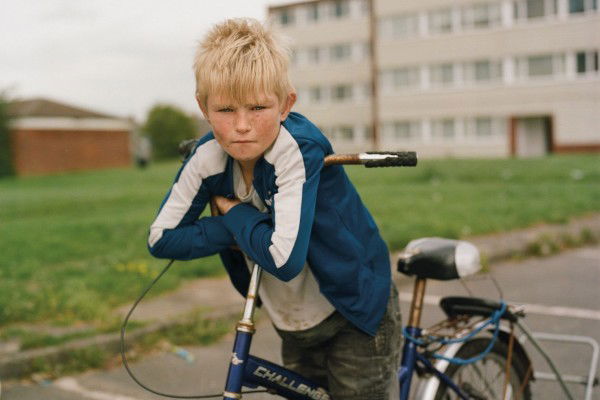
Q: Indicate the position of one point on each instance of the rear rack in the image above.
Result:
(589, 381)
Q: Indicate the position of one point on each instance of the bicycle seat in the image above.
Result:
(457, 305)
(439, 258)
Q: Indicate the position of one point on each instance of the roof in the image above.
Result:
(40, 107)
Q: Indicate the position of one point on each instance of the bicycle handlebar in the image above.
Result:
(370, 159)
(374, 159)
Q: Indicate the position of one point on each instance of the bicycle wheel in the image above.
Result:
(484, 379)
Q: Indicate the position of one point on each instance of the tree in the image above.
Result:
(6, 167)
(167, 126)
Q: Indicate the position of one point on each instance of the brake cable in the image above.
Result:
(126, 364)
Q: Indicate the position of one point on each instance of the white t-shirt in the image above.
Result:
(294, 305)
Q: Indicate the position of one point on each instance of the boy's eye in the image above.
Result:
(225, 109)
(257, 108)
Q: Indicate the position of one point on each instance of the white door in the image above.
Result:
(532, 137)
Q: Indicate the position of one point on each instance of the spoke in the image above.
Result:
(485, 379)
(488, 388)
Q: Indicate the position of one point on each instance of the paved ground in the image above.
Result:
(561, 293)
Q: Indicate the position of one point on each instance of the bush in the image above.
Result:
(5, 148)
(167, 126)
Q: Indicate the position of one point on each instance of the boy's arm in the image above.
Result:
(177, 232)
(279, 242)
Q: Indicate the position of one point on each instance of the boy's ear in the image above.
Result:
(288, 104)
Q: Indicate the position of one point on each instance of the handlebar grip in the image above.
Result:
(392, 159)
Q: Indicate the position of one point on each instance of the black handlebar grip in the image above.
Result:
(395, 159)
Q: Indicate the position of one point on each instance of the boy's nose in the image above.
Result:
(242, 123)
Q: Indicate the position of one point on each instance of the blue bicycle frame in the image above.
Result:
(247, 370)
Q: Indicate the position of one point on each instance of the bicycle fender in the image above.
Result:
(518, 350)
(427, 388)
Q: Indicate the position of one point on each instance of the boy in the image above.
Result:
(327, 290)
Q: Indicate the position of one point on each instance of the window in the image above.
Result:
(576, 6)
(365, 50)
(365, 7)
(539, 66)
(340, 8)
(286, 17)
(312, 12)
(404, 131)
(587, 62)
(398, 79)
(345, 133)
(581, 67)
(443, 129)
(440, 21)
(442, 74)
(482, 15)
(340, 52)
(367, 90)
(315, 94)
(481, 71)
(535, 8)
(341, 93)
(530, 9)
(314, 56)
(580, 6)
(367, 132)
(400, 26)
(546, 65)
(483, 127)
(407, 77)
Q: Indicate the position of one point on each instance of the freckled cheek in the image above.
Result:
(222, 131)
(268, 129)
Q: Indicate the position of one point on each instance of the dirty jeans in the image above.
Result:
(350, 363)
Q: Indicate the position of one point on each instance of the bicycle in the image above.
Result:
(454, 358)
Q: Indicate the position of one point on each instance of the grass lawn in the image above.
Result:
(74, 246)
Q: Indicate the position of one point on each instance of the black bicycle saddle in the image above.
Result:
(439, 258)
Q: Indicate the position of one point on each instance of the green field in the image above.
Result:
(74, 246)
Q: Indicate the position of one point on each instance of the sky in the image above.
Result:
(117, 57)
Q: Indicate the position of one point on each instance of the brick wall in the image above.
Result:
(37, 152)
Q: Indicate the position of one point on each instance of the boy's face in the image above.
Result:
(246, 131)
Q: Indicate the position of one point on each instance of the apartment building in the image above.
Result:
(454, 78)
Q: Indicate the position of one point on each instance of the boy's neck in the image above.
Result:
(247, 168)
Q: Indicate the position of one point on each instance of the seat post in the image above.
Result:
(416, 306)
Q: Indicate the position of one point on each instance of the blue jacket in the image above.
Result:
(314, 215)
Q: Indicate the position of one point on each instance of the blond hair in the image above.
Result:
(241, 59)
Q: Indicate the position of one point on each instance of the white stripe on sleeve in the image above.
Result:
(290, 174)
(209, 159)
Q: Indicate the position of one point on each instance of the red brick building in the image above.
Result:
(49, 137)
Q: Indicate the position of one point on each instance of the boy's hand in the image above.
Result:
(224, 204)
